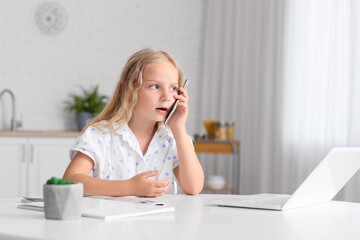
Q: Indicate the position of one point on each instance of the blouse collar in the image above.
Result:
(127, 135)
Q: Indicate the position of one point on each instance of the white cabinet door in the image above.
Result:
(48, 157)
(13, 158)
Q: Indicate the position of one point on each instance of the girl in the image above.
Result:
(127, 146)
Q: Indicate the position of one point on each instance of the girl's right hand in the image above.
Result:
(142, 186)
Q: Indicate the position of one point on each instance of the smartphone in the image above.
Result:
(174, 106)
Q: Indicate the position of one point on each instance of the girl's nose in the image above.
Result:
(166, 97)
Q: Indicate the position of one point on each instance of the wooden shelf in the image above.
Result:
(210, 190)
(217, 147)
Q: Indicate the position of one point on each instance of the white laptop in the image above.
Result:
(325, 181)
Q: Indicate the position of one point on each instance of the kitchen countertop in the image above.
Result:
(39, 134)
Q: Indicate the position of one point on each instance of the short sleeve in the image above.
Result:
(87, 145)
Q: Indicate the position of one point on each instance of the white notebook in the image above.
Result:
(112, 209)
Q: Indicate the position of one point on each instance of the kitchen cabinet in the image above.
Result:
(27, 162)
(13, 167)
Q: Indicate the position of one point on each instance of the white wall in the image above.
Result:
(99, 36)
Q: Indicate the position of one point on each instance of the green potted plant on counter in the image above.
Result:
(62, 199)
(87, 105)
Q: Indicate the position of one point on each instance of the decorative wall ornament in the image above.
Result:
(51, 18)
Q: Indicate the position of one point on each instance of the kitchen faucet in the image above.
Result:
(14, 123)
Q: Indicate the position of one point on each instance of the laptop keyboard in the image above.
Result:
(279, 200)
(272, 199)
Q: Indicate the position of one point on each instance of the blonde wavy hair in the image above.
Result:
(119, 108)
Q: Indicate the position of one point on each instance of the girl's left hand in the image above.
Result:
(178, 119)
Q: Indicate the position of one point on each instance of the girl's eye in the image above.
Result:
(154, 86)
(173, 89)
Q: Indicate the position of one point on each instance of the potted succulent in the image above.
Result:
(62, 199)
(87, 105)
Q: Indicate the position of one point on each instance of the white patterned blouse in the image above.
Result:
(117, 155)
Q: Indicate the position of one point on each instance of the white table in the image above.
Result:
(193, 218)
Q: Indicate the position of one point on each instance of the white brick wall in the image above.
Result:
(99, 37)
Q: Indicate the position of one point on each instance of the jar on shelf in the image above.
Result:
(230, 129)
(220, 130)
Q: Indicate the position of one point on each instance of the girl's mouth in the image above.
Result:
(161, 110)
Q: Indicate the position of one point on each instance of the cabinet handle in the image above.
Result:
(31, 153)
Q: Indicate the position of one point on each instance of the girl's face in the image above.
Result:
(156, 94)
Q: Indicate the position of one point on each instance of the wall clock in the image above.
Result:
(51, 18)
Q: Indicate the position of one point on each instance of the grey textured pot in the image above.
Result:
(63, 201)
(82, 119)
